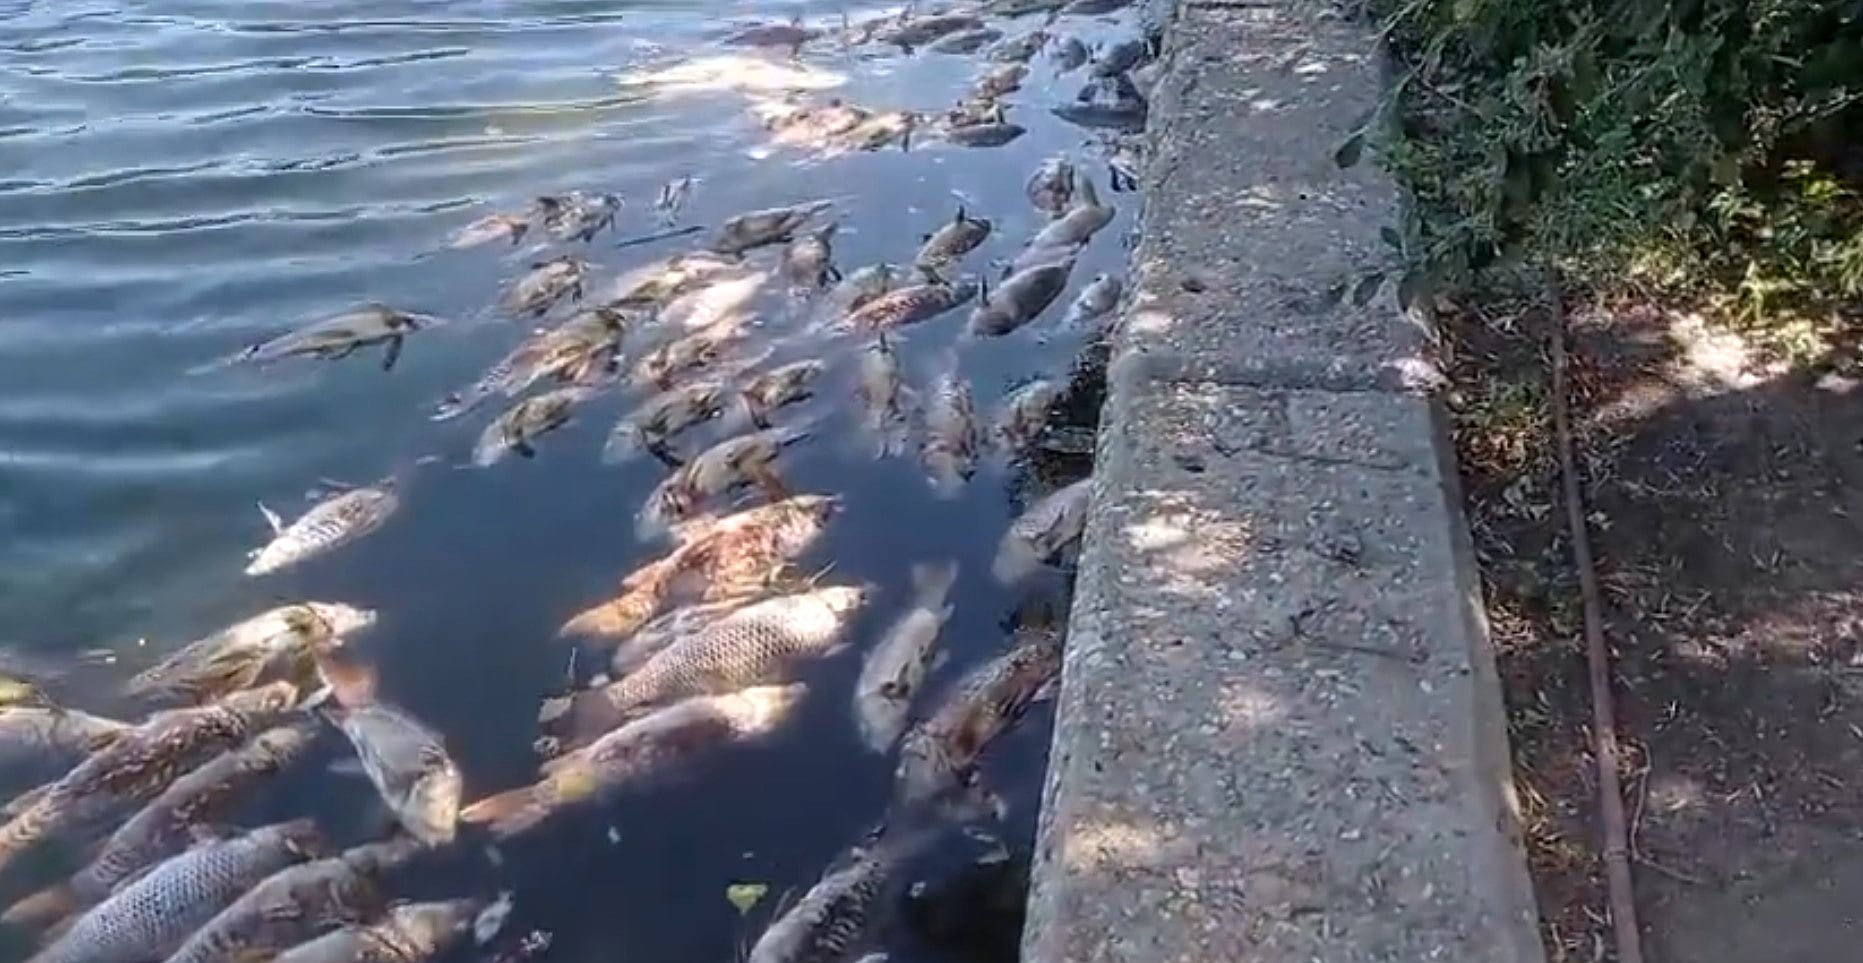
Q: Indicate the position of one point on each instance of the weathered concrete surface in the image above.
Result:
(1279, 733)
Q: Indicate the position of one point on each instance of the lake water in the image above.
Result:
(180, 179)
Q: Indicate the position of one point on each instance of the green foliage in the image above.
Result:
(1698, 146)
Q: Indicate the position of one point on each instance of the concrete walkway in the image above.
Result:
(1279, 733)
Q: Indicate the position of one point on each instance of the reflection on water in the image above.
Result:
(185, 179)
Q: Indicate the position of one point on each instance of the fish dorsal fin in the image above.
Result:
(271, 519)
(960, 218)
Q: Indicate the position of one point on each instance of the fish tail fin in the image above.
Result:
(351, 684)
(508, 812)
(931, 583)
(43, 908)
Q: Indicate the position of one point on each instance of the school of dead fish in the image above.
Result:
(703, 647)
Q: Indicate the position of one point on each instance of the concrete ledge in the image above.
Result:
(1279, 734)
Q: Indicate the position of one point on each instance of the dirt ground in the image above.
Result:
(1725, 492)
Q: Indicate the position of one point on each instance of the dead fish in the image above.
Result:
(1109, 102)
(1069, 54)
(492, 227)
(673, 197)
(912, 304)
(1034, 257)
(1021, 299)
(642, 595)
(1092, 8)
(1124, 164)
(1019, 49)
(952, 241)
(808, 261)
(989, 133)
(40, 741)
(743, 460)
(343, 335)
(952, 439)
(1081, 221)
(1120, 57)
(150, 917)
(780, 387)
(1024, 415)
(896, 668)
(768, 226)
(194, 802)
(965, 41)
(580, 350)
(1049, 525)
(760, 644)
(1093, 302)
(792, 35)
(883, 129)
(548, 282)
(999, 81)
(577, 216)
(409, 933)
(649, 639)
(885, 402)
(655, 284)
(670, 359)
(238, 655)
(404, 759)
(639, 754)
(840, 913)
(329, 524)
(664, 415)
(938, 757)
(519, 427)
(914, 32)
(297, 903)
(144, 761)
(861, 287)
(1051, 187)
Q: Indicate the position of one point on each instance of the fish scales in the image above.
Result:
(410, 933)
(1049, 525)
(938, 755)
(909, 305)
(36, 741)
(329, 524)
(235, 657)
(150, 917)
(952, 438)
(840, 913)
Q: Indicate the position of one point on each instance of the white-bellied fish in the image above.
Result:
(961, 235)
(663, 416)
(1055, 521)
(510, 228)
(235, 657)
(677, 356)
(887, 405)
(518, 429)
(953, 440)
(808, 260)
(343, 335)
(780, 387)
(743, 460)
(1023, 415)
(910, 304)
(988, 129)
(548, 282)
(773, 225)
(336, 521)
(1095, 301)
(999, 81)
(1020, 299)
(408, 933)
(577, 216)
(405, 760)
(896, 667)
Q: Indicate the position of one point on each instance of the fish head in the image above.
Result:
(844, 599)
(814, 510)
(429, 925)
(430, 811)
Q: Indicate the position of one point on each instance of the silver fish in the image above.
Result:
(1051, 187)
(664, 415)
(1023, 416)
(492, 227)
(195, 801)
(39, 741)
(519, 427)
(965, 41)
(1093, 302)
(405, 760)
(998, 81)
(780, 387)
(911, 304)
(896, 668)
(1051, 524)
(640, 753)
(952, 241)
(238, 655)
(768, 226)
(577, 216)
(1021, 299)
(1069, 54)
(343, 335)
(297, 903)
(1019, 49)
(759, 644)
(886, 404)
(808, 261)
(840, 913)
(410, 933)
(938, 757)
(331, 523)
(673, 197)
(151, 916)
(953, 441)
(1081, 221)
(548, 282)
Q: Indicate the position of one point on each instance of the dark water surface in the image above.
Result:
(179, 179)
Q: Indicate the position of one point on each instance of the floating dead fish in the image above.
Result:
(1124, 164)
(1094, 302)
(548, 282)
(791, 35)
(664, 415)
(1069, 54)
(150, 917)
(779, 387)
(1019, 49)
(1081, 221)
(1051, 187)
(965, 41)
(734, 462)
(281, 639)
(952, 438)
(840, 913)
(329, 524)
(768, 226)
(913, 32)
(939, 756)
(670, 359)
(896, 667)
(580, 350)
(673, 197)
(1020, 299)
(882, 129)
(1120, 57)
(144, 761)
(961, 235)
(642, 753)
(518, 429)
(885, 402)
(1024, 415)
(1094, 8)
(1108, 102)
(1049, 525)
(409, 933)
(404, 759)
(197, 801)
(999, 81)
(1022, 8)
(655, 284)
(577, 216)
(861, 287)
(808, 261)
(989, 133)
(510, 228)
(760, 644)
(1034, 257)
(650, 639)
(909, 305)
(299, 902)
(43, 741)
(810, 125)
(343, 335)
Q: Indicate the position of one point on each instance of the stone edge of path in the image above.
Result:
(1279, 735)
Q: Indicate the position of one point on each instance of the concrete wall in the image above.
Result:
(1279, 735)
